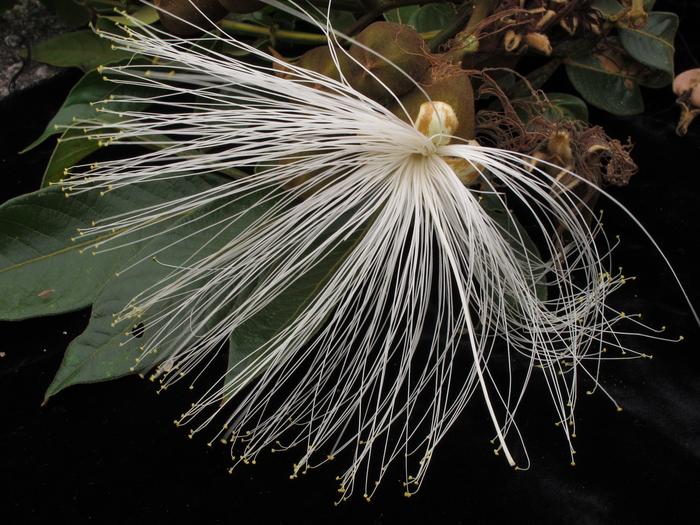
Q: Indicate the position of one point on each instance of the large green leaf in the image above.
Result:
(145, 14)
(424, 18)
(71, 148)
(340, 20)
(432, 17)
(605, 85)
(562, 106)
(83, 49)
(401, 15)
(652, 45)
(566, 107)
(514, 232)
(104, 351)
(277, 315)
(42, 269)
(80, 104)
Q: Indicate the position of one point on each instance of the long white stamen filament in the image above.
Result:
(331, 169)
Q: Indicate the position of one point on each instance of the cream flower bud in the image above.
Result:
(438, 121)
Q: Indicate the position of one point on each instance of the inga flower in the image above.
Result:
(373, 365)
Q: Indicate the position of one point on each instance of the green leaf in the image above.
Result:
(562, 106)
(145, 14)
(104, 351)
(83, 49)
(432, 17)
(340, 20)
(279, 314)
(652, 45)
(42, 270)
(425, 18)
(80, 104)
(71, 148)
(566, 107)
(606, 85)
(513, 232)
(400, 15)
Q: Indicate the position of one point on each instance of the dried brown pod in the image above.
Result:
(511, 40)
(539, 42)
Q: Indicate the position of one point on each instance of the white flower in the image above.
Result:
(373, 366)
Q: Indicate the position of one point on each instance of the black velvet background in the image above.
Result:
(109, 453)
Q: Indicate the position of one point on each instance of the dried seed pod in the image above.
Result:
(540, 42)
(394, 43)
(448, 85)
(511, 41)
(242, 6)
(564, 24)
(574, 23)
(177, 13)
(546, 17)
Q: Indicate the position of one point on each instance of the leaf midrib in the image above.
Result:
(74, 246)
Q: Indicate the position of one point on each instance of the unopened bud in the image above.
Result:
(438, 121)
(447, 84)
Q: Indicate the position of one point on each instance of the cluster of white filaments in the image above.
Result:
(428, 279)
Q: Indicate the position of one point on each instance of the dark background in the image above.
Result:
(110, 453)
